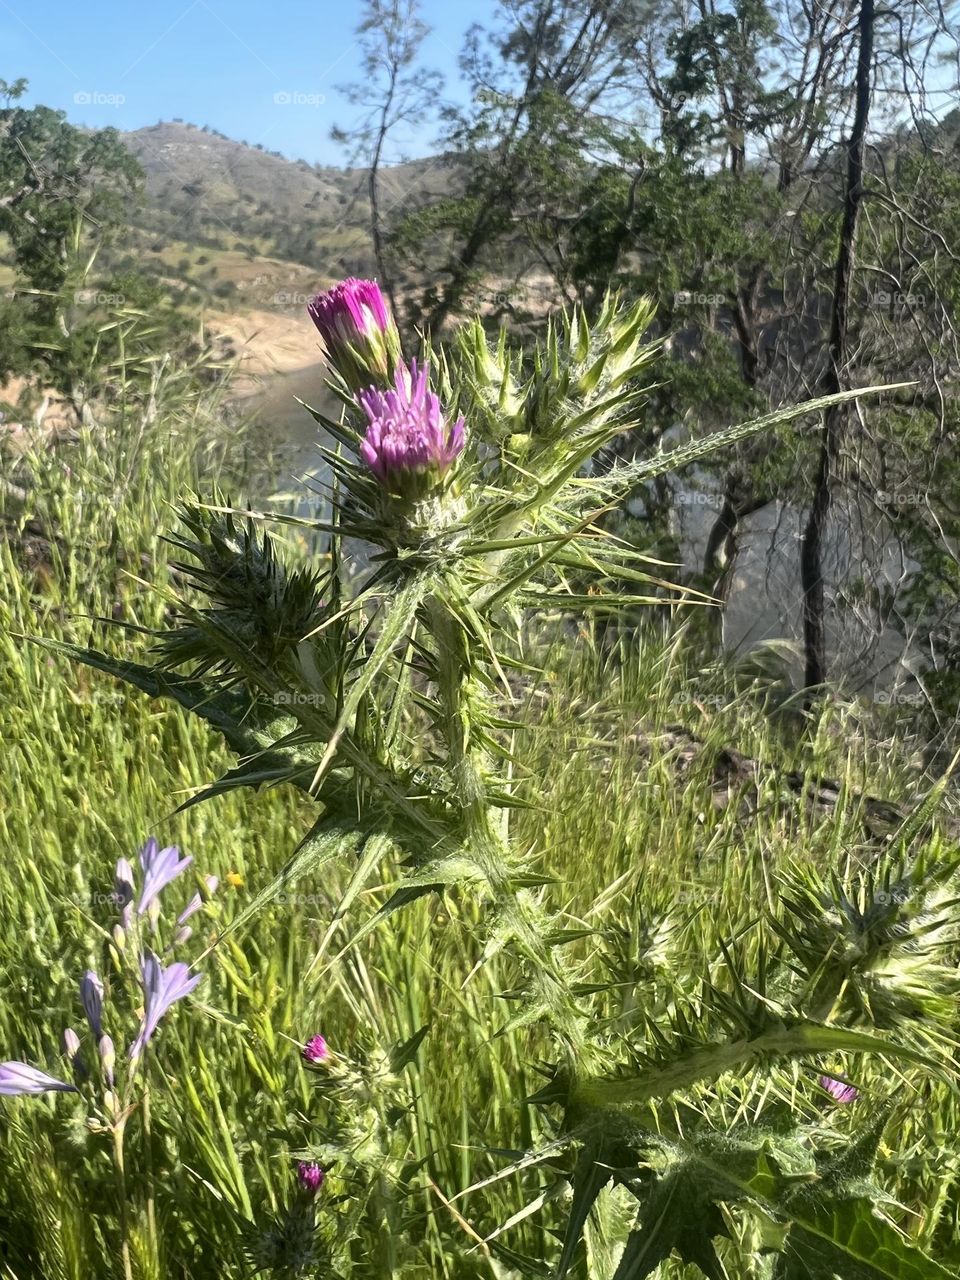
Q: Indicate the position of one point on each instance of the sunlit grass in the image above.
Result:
(644, 845)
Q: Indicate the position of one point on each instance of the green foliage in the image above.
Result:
(387, 700)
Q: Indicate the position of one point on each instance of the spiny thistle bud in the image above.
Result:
(315, 1050)
(489, 380)
(360, 336)
(409, 445)
(310, 1176)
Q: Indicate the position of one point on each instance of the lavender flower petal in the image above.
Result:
(160, 867)
(162, 988)
(19, 1078)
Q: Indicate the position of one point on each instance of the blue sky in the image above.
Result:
(261, 70)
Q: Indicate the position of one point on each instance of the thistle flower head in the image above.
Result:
(19, 1078)
(310, 1176)
(315, 1050)
(839, 1090)
(409, 445)
(359, 334)
(162, 988)
(160, 867)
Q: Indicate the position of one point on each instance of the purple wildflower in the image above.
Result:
(310, 1176)
(315, 1050)
(91, 994)
(160, 867)
(162, 988)
(359, 334)
(408, 435)
(19, 1077)
(839, 1090)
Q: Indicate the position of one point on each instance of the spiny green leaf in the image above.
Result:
(846, 1238)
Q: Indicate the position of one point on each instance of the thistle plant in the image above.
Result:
(389, 700)
(112, 1092)
(358, 1159)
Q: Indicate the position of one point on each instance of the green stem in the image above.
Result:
(148, 1162)
(461, 697)
(124, 1212)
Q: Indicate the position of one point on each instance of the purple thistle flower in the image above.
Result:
(19, 1077)
(310, 1176)
(160, 867)
(315, 1050)
(838, 1090)
(408, 435)
(162, 988)
(359, 334)
(91, 995)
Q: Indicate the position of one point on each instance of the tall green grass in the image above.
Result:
(649, 856)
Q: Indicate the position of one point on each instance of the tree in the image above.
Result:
(542, 83)
(62, 194)
(811, 558)
(392, 93)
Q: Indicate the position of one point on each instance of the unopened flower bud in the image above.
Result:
(315, 1050)
(192, 907)
(108, 1059)
(91, 994)
(71, 1045)
(360, 335)
(310, 1176)
(124, 889)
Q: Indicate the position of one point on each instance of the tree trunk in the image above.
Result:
(811, 553)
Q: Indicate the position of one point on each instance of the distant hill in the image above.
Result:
(207, 190)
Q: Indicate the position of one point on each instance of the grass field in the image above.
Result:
(652, 861)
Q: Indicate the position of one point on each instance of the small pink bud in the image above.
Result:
(315, 1050)
(310, 1176)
